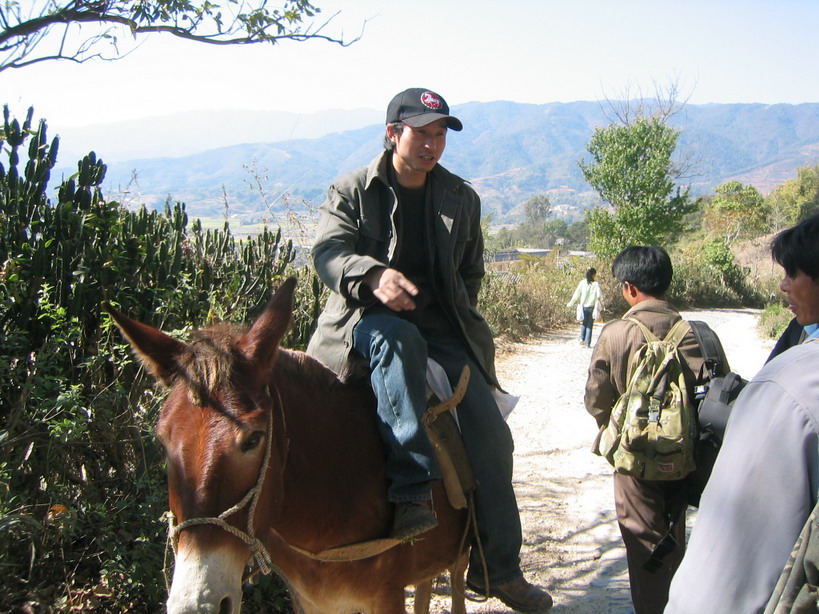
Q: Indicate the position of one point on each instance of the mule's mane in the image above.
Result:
(311, 372)
(211, 359)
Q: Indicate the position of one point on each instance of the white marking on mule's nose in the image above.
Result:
(207, 583)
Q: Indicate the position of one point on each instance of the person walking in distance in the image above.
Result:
(589, 298)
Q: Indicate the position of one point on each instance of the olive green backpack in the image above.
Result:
(652, 431)
(797, 591)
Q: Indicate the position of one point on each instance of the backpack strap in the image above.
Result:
(795, 590)
(710, 348)
(649, 336)
(674, 336)
(678, 332)
(679, 503)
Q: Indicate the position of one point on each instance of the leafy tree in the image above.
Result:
(40, 30)
(554, 232)
(736, 211)
(632, 170)
(537, 209)
(795, 199)
(490, 242)
(577, 235)
(502, 239)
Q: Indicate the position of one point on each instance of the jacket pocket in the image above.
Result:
(374, 237)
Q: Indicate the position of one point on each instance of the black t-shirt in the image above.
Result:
(415, 258)
(412, 254)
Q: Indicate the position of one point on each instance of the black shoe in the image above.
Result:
(413, 518)
(519, 595)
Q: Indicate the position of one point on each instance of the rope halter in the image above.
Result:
(260, 555)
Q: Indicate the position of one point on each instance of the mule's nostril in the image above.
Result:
(226, 606)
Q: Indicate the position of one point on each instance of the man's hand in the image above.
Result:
(392, 288)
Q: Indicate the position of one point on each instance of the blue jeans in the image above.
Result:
(397, 354)
(586, 326)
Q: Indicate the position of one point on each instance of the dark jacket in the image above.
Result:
(356, 232)
(793, 335)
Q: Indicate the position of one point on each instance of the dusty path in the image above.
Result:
(572, 544)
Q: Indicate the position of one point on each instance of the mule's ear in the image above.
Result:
(155, 349)
(260, 343)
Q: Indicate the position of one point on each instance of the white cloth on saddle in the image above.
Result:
(438, 383)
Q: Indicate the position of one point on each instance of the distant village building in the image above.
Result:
(515, 253)
(504, 259)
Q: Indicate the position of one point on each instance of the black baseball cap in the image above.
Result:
(418, 107)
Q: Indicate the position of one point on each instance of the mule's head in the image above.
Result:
(219, 425)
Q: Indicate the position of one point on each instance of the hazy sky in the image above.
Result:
(534, 51)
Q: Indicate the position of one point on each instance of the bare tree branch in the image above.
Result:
(53, 31)
(665, 103)
(630, 106)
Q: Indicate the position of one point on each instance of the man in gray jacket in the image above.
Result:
(399, 245)
(766, 478)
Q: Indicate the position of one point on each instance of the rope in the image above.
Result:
(484, 566)
(430, 416)
(432, 413)
(169, 545)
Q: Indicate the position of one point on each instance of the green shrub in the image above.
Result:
(531, 295)
(504, 305)
(774, 319)
(707, 275)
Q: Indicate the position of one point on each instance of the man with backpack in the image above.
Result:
(645, 506)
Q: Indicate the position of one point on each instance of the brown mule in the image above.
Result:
(271, 461)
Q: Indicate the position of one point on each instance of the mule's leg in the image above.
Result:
(423, 594)
(388, 602)
(457, 574)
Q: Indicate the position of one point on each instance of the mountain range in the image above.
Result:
(509, 152)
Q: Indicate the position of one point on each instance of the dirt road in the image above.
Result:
(572, 545)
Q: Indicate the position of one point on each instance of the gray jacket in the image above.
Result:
(356, 232)
(762, 489)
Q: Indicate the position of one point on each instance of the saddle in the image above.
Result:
(443, 431)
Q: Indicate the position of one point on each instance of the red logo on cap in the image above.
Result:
(431, 101)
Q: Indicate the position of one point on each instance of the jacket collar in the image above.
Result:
(653, 305)
(378, 170)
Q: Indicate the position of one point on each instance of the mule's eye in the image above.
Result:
(252, 441)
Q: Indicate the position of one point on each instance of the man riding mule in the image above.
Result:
(399, 245)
